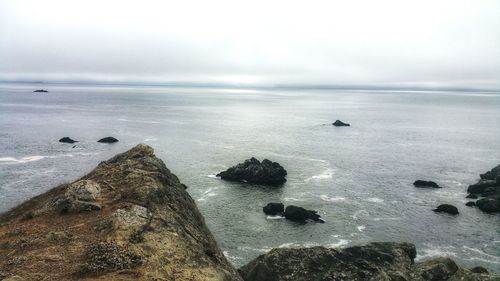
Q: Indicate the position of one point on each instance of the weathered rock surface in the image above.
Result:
(372, 262)
(256, 172)
(446, 208)
(424, 184)
(67, 140)
(108, 140)
(128, 219)
(489, 188)
(300, 214)
(339, 123)
(274, 209)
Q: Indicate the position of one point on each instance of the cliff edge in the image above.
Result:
(128, 219)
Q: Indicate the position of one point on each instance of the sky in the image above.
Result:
(439, 43)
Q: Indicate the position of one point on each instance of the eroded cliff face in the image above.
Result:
(128, 219)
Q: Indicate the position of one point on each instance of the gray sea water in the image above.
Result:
(358, 178)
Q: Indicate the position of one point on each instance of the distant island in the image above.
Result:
(40, 91)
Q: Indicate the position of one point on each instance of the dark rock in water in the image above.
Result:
(40, 91)
(480, 186)
(108, 140)
(479, 269)
(274, 209)
(422, 183)
(67, 140)
(472, 196)
(492, 174)
(470, 204)
(339, 123)
(491, 191)
(489, 204)
(255, 172)
(300, 214)
(446, 208)
(371, 262)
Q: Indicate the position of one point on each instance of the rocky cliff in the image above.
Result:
(128, 219)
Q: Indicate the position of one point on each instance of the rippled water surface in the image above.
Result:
(358, 178)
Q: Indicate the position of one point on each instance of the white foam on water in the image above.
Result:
(325, 197)
(291, 199)
(275, 217)
(482, 255)
(150, 139)
(385, 219)
(340, 244)
(374, 200)
(12, 160)
(326, 174)
(361, 228)
(358, 213)
(436, 251)
(212, 176)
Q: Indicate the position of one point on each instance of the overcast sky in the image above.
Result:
(431, 43)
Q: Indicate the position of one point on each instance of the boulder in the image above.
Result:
(492, 174)
(67, 140)
(423, 184)
(437, 269)
(472, 196)
(470, 204)
(254, 172)
(274, 209)
(489, 204)
(300, 214)
(446, 208)
(479, 270)
(108, 140)
(80, 196)
(480, 186)
(339, 123)
(491, 191)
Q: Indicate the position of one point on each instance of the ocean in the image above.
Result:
(358, 178)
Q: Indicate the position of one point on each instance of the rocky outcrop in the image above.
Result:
(424, 184)
(339, 123)
(446, 208)
(274, 209)
(489, 188)
(67, 140)
(255, 172)
(40, 91)
(108, 140)
(300, 214)
(129, 219)
(372, 262)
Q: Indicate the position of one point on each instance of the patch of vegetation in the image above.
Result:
(107, 257)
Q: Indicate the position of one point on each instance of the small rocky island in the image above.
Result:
(108, 140)
(67, 140)
(40, 91)
(255, 172)
(488, 187)
(132, 219)
(339, 123)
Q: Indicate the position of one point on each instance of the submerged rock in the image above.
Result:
(147, 227)
(67, 140)
(447, 208)
(300, 214)
(339, 123)
(274, 209)
(255, 172)
(372, 262)
(422, 183)
(470, 204)
(108, 140)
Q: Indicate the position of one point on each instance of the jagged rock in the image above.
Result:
(480, 186)
(422, 183)
(385, 261)
(300, 214)
(446, 208)
(108, 140)
(148, 228)
(492, 174)
(470, 204)
(80, 196)
(472, 196)
(489, 204)
(255, 172)
(274, 209)
(339, 123)
(491, 191)
(67, 140)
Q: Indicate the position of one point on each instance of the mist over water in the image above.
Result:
(358, 178)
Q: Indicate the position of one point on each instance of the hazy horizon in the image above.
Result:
(391, 44)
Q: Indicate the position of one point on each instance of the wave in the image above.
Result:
(325, 197)
(341, 243)
(275, 217)
(483, 256)
(139, 121)
(436, 251)
(361, 228)
(212, 176)
(326, 174)
(292, 199)
(12, 160)
(374, 200)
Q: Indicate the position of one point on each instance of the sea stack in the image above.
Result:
(255, 172)
(339, 123)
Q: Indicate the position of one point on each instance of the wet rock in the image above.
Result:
(447, 208)
(489, 204)
(423, 184)
(108, 140)
(480, 186)
(491, 191)
(67, 140)
(492, 174)
(274, 209)
(300, 214)
(479, 270)
(339, 123)
(470, 204)
(472, 196)
(255, 172)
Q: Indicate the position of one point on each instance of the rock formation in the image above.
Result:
(487, 187)
(40, 91)
(300, 214)
(129, 219)
(255, 172)
(67, 140)
(274, 209)
(373, 262)
(423, 184)
(446, 208)
(339, 123)
(108, 140)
